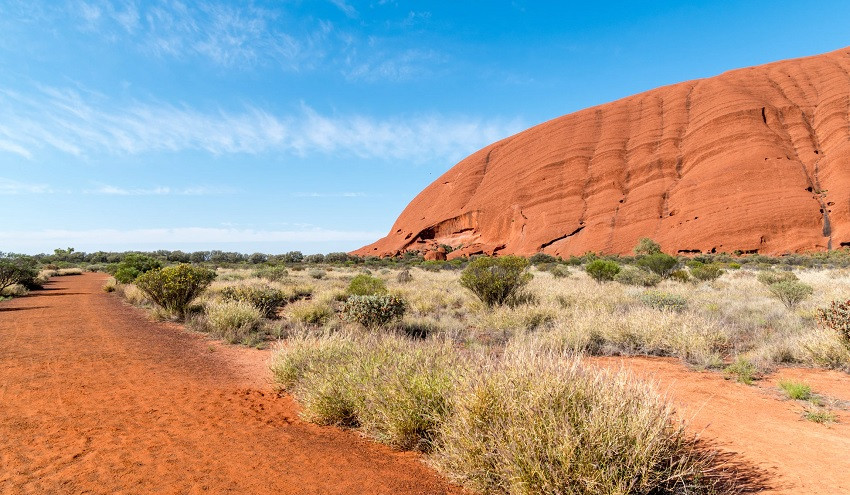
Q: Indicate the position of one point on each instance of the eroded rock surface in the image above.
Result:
(756, 159)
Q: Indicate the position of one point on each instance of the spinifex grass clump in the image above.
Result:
(233, 321)
(174, 287)
(496, 281)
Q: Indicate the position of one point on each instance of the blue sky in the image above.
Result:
(279, 125)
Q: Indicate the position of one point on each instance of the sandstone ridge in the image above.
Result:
(755, 160)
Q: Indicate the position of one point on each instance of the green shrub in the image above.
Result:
(742, 370)
(496, 281)
(266, 299)
(366, 285)
(770, 277)
(133, 265)
(705, 273)
(560, 271)
(790, 292)
(680, 276)
(174, 287)
(541, 259)
(664, 301)
(404, 276)
(659, 263)
(837, 318)
(734, 266)
(17, 271)
(647, 246)
(374, 311)
(317, 274)
(602, 270)
(796, 390)
(272, 273)
(635, 276)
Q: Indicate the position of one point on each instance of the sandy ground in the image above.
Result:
(757, 424)
(94, 398)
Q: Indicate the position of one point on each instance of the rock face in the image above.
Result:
(755, 159)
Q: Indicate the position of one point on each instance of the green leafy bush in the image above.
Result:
(266, 299)
(17, 271)
(705, 273)
(647, 246)
(837, 318)
(366, 285)
(542, 258)
(133, 265)
(663, 300)
(680, 276)
(374, 311)
(602, 270)
(560, 271)
(174, 287)
(770, 277)
(635, 276)
(496, 281)
(659, 263)
(790, 292)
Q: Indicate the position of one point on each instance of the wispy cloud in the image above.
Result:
(181, 235)
(9, 187)
(109, 190)
(84, 124)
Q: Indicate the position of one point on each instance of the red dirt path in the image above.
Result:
(94, 398)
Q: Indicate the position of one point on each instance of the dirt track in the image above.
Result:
(94, 398)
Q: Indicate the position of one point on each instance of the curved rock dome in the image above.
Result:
(756, 160)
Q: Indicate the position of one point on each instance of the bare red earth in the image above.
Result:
(94, 398)
(754, 159)
(757, 424)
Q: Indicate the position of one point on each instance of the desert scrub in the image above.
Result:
(374, 311)
(836, 317)
(334, 378)
(313, 313)
(404, 276)
(796, 390)
(366, 285)
(602, 270)
(16, 271)
(174, 287)
(659, 263)
(790, 292)
(742, 371)
(233, 321)
(770, 277)
(560, 271)
(630, 275)
(706, 273)
(265, 298)
(317, 274)
(134, 265)
(664, 301)
(272, 273)
(496, 281)
(543, 423)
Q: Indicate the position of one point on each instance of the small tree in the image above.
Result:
(647, 246)
(602, 270)
(174, 287)
(790, 292)
(496, 281)
(16, 271)
(133, 265)
(658, 263)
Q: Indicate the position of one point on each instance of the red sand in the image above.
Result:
(94, 398)
(754, 160)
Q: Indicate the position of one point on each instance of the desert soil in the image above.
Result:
(95, 398)
(757, 424)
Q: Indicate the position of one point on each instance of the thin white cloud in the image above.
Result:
(10, 187)
(85, 124)
(109, 190)
(181, 235)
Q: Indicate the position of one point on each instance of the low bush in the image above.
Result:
(664, 301)
(706, 273)
(317, 274)
(133, 265)
(647, 246)
(496, 281)
(659, 263)
(404, 276)
(16, 271)
(174, 287)
(770, 277)
(680, 276)
(366, 285)
(233, 321)
(602, 270)
(542, 259)
(790, 292)
(272, 273)
(560, 271)
(635, 276)
(266, 299)
(836, 317)
(374, 311)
